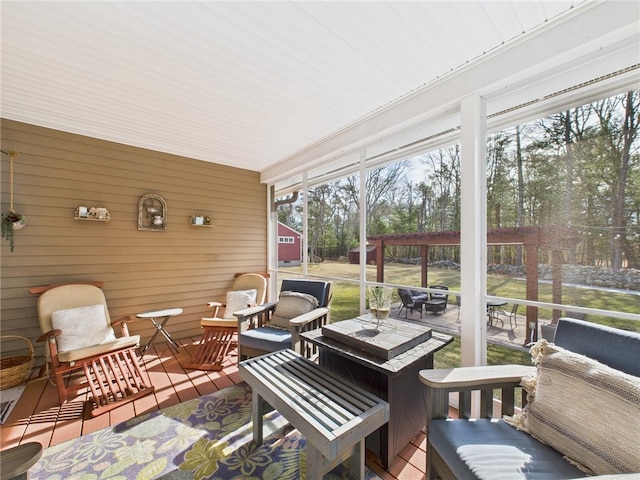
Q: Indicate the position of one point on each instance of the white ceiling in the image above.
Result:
(245, 84)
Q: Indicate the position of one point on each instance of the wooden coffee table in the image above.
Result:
(394, 380)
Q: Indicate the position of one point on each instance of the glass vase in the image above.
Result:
(379, 303)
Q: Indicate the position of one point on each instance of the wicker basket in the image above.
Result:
(15, 370)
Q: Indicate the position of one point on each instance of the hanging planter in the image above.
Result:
(12, 221)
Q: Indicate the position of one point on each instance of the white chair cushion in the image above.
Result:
(238, 300)
(82, 353)
(219, 322)
(82, 327)
(290, 305)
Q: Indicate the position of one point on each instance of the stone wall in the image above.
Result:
(624, 279)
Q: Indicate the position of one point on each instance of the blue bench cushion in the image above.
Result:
(267, 339)
(493, 450)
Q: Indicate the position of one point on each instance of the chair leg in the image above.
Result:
(213, 349)
(62, 391)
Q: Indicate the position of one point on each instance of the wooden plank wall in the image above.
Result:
(184, 266)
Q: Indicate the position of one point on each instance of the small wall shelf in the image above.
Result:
(95, 214)
(152, 213)
(201, 221)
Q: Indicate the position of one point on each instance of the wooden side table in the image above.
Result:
(15, 462)
(165, 314)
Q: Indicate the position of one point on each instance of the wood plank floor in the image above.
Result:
(39, 418)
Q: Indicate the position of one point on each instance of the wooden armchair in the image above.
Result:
(80, 340)
(220, 330)
(303, 305)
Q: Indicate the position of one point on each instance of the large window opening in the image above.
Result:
(575, 175)
(570, 179)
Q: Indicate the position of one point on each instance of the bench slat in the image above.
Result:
(296, 398)
(352, 397)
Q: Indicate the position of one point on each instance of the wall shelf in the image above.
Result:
(201, 221)
(92, 219)
(93, 214)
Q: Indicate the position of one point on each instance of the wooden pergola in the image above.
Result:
(557, 239)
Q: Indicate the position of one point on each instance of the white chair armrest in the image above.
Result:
(251, 311)
(254, 316)
(440, 382)
(474, 377)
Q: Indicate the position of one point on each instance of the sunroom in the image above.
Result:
(242, 113)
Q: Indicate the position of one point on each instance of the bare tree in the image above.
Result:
(620, 137)
(320, 217)
(380, 186)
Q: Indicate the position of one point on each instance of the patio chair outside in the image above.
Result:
(409, 302)
(303, 306)
(511, 315)
(219, 337)
(81, 344)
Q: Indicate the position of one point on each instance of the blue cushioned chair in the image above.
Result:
(487, 448)
(256, 337)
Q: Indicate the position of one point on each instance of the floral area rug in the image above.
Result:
(207, 437)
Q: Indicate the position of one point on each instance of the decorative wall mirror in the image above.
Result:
(152, 213)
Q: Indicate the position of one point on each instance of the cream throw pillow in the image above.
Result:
(290, 305)
(584, 409)
(82, 327)
(238, 300)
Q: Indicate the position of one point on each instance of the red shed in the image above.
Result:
(289, 246)
(354, 255)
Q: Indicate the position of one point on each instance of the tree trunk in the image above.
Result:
(520, 193)
(629, 131)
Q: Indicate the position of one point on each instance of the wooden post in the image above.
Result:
(379, 262)
(531, 250)
(557, 259)
(424, 260)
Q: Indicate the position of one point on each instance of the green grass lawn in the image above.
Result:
(345, 303)
(345, 300)
(449, 356)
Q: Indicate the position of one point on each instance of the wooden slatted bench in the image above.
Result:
(334, 416)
